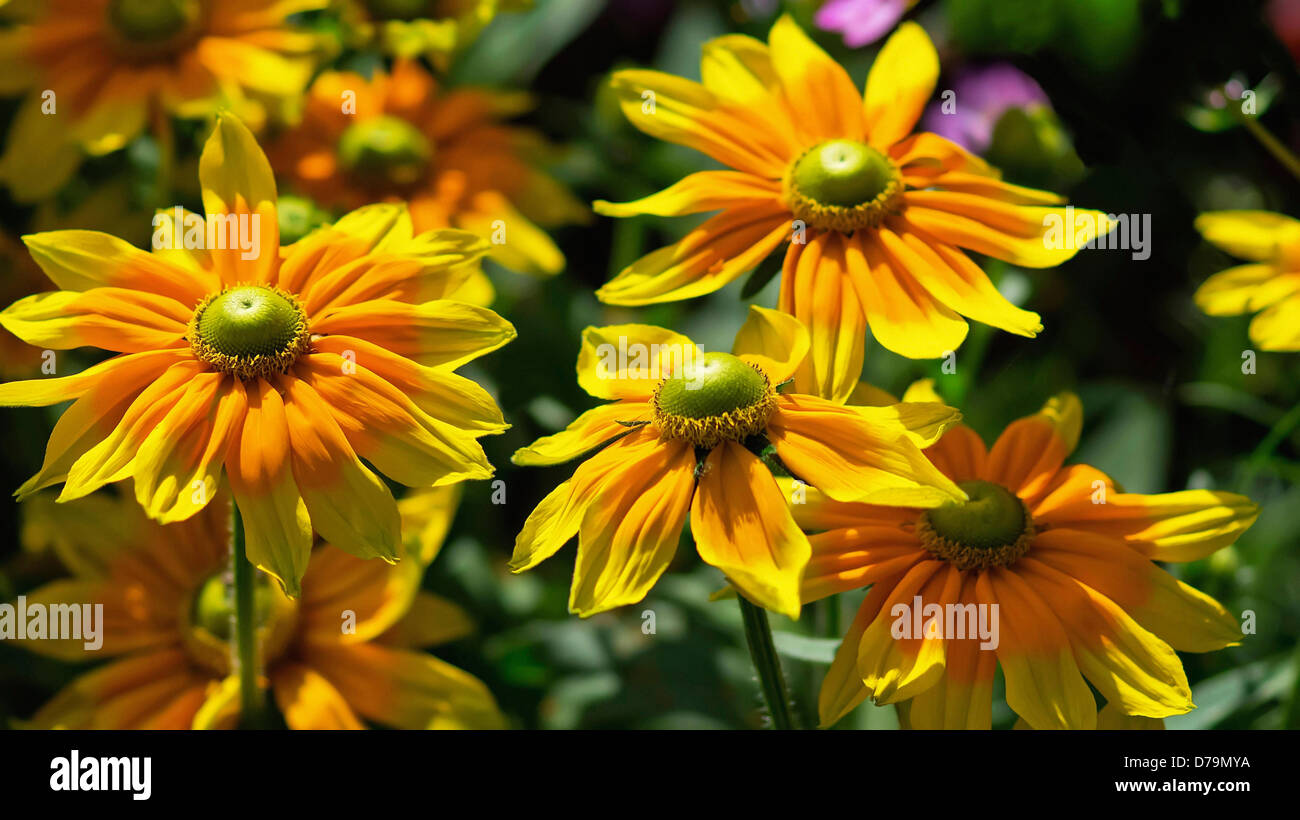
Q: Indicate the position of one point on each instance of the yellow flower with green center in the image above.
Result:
(682, 437)
(876, 221)
(1064, 553)
(1270, 284)
(274, 369)
(114, 66)
(167, 623)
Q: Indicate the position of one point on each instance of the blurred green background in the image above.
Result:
(1167, 403)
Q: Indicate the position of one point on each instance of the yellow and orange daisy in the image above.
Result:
(277, 369)
(96, 72)
(1270, 284)
(679, 439)
(877, 220)
(398, 138)
(1056, 563)
(344, 654)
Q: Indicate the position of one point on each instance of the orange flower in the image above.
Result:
(97, 70)
(1062, 552)
(397, 138)
(166, 624)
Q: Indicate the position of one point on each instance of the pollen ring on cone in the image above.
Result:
(991, 529)
(718, 398)
(249, 331)
(843, 185)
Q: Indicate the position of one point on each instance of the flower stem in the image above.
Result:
(252, 701)
(165, 135)
(1292, 715)
(758, 634)
(1271, 143)
(1279, 433)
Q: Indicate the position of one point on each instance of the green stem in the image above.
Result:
(1271, 143)
(252, 701)
(758, 634)
(1292, 719)
(1279, 433)
(165, 134)
(833, 624)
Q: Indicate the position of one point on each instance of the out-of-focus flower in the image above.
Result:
(1063, 553)
(875, 220)
(437, 29)
(167, 619)
(861, 21)
(97, 72)
(275, 370)
(1270, 284)
(1284, 17)
(680, 439)
(398, 138)
(980, 97)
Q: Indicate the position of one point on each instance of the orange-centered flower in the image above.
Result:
(680, 439)
(877, 220)
(346, 652)
(97, 70)
(279, 369)
(396, 137)
(1047, 570)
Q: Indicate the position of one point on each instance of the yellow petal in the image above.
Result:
(900, 82)
(584, 434)
(741, 526)
(627, 361)
(1245, 289)
(1278, 328)
(631, 528)
(698, 192)
(1259, 236)
(824, 101)
(775, 341)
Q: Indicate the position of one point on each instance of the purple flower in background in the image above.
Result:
(861, 21)
(982, 95)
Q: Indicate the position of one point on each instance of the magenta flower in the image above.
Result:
(982, 96)
(861, 21)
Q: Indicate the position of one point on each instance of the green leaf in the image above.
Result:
(804, 648)
(764, 273)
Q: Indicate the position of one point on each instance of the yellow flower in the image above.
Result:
(877, 219)
(279, 369)
(437, 29)
(166, 624)
(1062, 551)
(96, 71)
(1270, 284)
(679, 438)
(446, 155)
